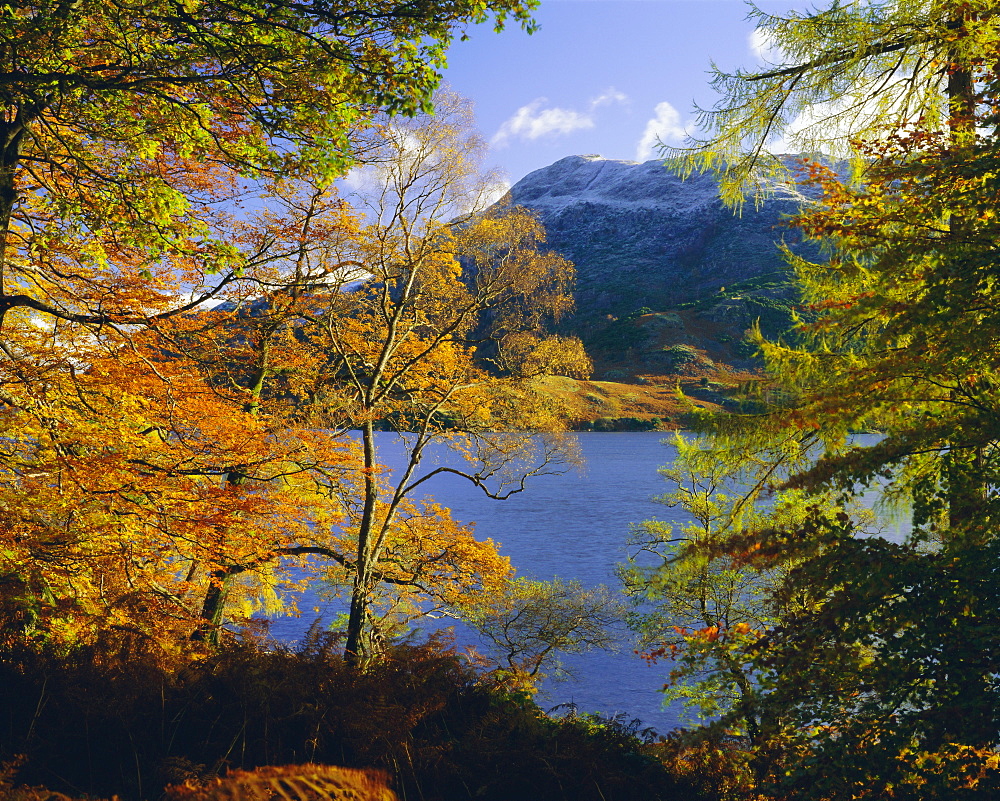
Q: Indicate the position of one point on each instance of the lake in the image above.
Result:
(573, 526)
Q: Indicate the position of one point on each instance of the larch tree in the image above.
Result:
(878, 680)
(691, 602)
(840, 75)
(892, 634)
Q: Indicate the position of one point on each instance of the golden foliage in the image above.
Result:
(290, 783)
(164, 467)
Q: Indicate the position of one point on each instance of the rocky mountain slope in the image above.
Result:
(641, 236)
(669, 281)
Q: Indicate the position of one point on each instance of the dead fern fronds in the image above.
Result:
(289, 783)
(8, 792)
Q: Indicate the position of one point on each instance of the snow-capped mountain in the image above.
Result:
(641, 236)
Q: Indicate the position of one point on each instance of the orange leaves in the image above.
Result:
(161, 459)
(135, 479)
(738, 634)
(291, 782)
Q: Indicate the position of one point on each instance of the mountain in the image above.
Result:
(669, 284)
(641, 236)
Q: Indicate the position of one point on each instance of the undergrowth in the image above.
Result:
(103, 722)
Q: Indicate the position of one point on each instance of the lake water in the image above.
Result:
(573, 526)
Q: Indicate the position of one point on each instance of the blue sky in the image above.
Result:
(601, 76)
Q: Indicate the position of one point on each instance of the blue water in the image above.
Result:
(573, 526)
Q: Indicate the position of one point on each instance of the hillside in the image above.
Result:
(641, 236)
(669, 283)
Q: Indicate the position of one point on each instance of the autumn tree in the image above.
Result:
(398, 320)
(118, 511)
(130, 149)
(877, 684)
(130, 133)
(96, 94)
(414, 348)
(841, 74)
(215, 440)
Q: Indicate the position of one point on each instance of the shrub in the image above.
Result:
(710, 764)
(638, 313)
(103, 725)
(676, 357)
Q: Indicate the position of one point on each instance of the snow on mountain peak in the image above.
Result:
(641, 235)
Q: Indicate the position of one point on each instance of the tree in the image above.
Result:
(400, 318)
(700, 600)
(118, 509)
(228, 452)
(530, 623)
(144, 487)
(408, 349)
(878, 682)
(845, 73)
(99, 97)
(903, 343)
(156, 479)
(130, 133)
(691, 604)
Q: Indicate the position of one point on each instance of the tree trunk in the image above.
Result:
(11, 136)
(214, 605)
(354, 648)
(963, 464)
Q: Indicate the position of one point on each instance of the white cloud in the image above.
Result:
(536, 120)
(763, 47)
(359, 179)
(495, 191)
(607, 97)
(663, 128)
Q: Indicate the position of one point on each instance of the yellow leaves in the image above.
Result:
(123, 472)
(427, 556)
(156, 460)
(506, 251)
(952, 767)
(711, 634)
(528, 354)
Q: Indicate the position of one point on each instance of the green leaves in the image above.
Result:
(878, 679)
(839, 77)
